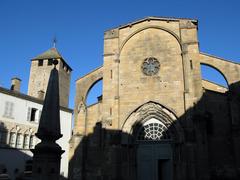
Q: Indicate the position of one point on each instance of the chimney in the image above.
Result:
(41, 94)
(16, 83)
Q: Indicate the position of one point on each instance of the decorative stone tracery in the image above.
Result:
(153, 130)
(164, 120)
(150, 66)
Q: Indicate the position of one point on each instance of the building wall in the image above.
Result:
(175, 93)
(141, 88)
(125, 87)
(39, 76)
(64, 83)
(19, 121)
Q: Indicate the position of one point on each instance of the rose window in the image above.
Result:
(150, 66)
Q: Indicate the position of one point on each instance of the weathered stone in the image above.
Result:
(198, 115)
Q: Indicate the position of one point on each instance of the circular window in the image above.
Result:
(153, 130)
(150, 66)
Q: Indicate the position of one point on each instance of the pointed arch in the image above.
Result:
(157, 111)
(148, 27)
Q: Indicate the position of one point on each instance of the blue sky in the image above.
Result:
(27, 28)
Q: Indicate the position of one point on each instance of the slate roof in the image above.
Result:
(50, 53)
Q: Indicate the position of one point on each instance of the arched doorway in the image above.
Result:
(155, 131)
(154, 151)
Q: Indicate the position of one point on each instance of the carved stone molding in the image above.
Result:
(153, 110)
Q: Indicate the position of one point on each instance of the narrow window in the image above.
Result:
(26, 141)
(31, 142)
(12, 140)
(19, 140)
(111, 74)
(33, 114)
(191, 64)
(50, 62)
(110, 111)
(8, 111)
(40, 62)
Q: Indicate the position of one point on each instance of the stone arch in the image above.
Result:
(90, 88)
(229, 70)
(85, 83)
(153, 110)
(148, 27)
(214, 67)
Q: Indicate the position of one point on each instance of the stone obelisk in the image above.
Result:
(47, 154)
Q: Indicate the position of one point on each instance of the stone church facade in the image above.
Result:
(157, 118)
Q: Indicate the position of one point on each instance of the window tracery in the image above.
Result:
(153, 130)
(150, 66)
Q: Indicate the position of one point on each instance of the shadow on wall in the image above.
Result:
(204, 143)
(15, 164)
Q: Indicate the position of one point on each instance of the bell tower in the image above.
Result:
(41, 67)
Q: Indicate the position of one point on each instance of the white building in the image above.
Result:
(20, 115)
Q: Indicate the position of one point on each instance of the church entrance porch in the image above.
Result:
(156, 135)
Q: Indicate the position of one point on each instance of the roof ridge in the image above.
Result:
(163, 18)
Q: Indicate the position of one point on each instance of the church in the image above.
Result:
(157, 117)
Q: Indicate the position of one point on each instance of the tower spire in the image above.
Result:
(54, 41)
